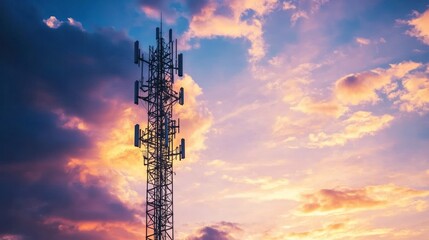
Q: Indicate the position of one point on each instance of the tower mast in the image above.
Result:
(156, 92)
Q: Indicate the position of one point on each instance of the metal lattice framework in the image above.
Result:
(156, 91)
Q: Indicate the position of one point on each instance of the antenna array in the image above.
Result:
(156, 90)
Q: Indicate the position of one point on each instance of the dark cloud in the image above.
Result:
(31, 206)
(44, 70)
(195, 6)
(220, 231)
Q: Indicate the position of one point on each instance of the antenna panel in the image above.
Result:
(167, 130)
(136, 92)
(182, 96)
(137, 142)
(136, 52)
(170, 35)
(180, 65)
(182, 148)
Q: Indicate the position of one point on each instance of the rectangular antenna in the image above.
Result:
(182, 96)
(170, 35)
(166, 131)
(180, 66)
(136, 92)
(136, 52)
(137, 136)
(182, 148)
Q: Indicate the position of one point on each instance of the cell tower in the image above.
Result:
(156, 91)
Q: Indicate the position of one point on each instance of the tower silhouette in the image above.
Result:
(157, 94)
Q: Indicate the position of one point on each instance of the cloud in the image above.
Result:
(363, 41)
(361, 87)
(264, 183)
(359, 124)
(416, 94)
(360, 199)
(75, 23)
(153, 8)
(420, 26)
(328, 108)
(302, 9)
(211, 22)
(52, 22)
(345, 229)
(290, 129)
(195, 117)
(288, 5)
(331, 199)
(297, 15)
(171, 10)
(219, 231)
(52, 96)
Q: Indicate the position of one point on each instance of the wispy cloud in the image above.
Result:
(361, 199)
(359, 124)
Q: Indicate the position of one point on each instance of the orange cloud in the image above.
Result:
(370, 197)
(328, 108)
(339, 230)
(415, 96)
(112, 229)
(420, 26)
(361, 87)
(195, 118)
(331, 199)
(119, 163)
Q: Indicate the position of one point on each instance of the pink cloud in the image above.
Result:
(363, 41)
(210, 24)
(75, 23)
(52, 22)
(297, 15)
(361, 87)
(358, 125)
(288, 6)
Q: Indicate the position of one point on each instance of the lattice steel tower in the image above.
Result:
(157, 94)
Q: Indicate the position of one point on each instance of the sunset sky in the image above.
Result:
(304, 119)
